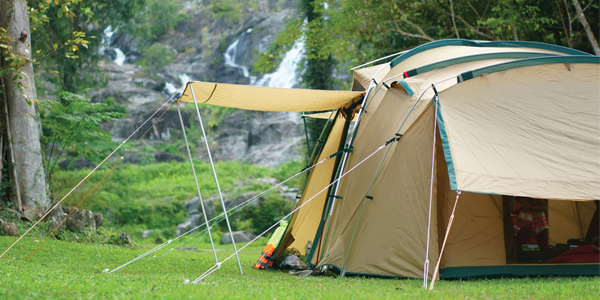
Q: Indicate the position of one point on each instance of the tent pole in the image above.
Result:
(307, 140)
(350, 143)
(437, 266)
(187, 145)
(426, 264)
(216, 180)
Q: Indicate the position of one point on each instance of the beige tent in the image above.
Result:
(515, 119)
(492, 120)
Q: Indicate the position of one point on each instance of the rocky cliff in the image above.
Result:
(208, 49)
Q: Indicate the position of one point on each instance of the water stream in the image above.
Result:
(106, 36)
(285, 76)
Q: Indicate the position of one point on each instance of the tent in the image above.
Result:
(514, 119)
(466, 126)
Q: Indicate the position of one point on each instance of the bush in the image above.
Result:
(157, 57)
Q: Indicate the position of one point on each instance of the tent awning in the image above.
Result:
(266, 98)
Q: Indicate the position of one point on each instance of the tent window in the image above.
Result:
(550, 231)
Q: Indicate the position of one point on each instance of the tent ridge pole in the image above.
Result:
(426, 264)
(216, 180)
(187, 145)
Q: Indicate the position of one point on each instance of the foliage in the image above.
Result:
(231, 10)
(157, 57)
(266, 213)
(66, 36)
(155, 18)
(71, 122)
(357, 31)
(64, 270)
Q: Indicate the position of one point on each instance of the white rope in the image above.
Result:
(293, 211)
(426, 264)
(235, 209)
(90, 173)
(187, 146)
(217, 183)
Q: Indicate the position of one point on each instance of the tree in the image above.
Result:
(20, 100)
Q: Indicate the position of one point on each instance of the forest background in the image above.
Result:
(62, 47)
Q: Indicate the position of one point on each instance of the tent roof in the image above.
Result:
(484, 44)
(266, 98)
(364, 75)
(525, 128)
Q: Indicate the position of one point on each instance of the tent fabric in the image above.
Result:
(304, 224)
(503, 139)
(480, 47)
(477, 234)
(381, 246)
(265, 98)
(574, 218)
(364, 76)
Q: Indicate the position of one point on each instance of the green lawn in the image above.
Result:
(74, 271)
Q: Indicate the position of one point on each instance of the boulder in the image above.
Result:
(78, 164)
(56, 216)
(189, 223)
(98, 218)
(166, 156)
(28, 215)
(9, 228)
(238, 236)
(81, 220)
(194, 205)
(125, 239)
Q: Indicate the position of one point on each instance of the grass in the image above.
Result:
(153, 195)
(65, 270)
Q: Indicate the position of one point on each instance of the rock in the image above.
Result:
(241, 199)
(147, 233)
(81, 220)
(98, 218)
(9, 228)
(125, 239)
(56, 216)
(195, 216)
(68, 209)
(29, 215)
(238, 236)
(165, 156)
(194, 205)
(78, 164)
(189, 223)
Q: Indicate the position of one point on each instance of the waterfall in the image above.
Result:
(106, 36)
(184, 78)
(286, 75)
(231, 55)
(169, 89)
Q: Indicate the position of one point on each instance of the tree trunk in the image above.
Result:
(24, 126)
(586, 26)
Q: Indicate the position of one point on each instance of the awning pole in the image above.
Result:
(187, 145)
(216, 180)
(426, 264)
(437, 266)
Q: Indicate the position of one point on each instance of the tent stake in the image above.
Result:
(187, 145)
(437, 266)
(216, 180)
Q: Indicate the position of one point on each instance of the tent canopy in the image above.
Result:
(265, 98)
